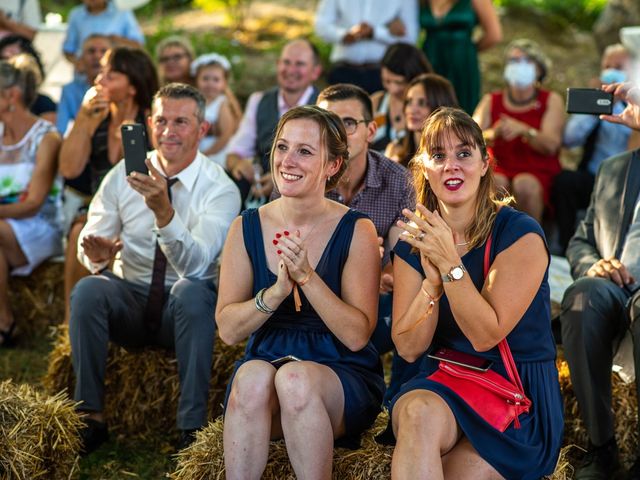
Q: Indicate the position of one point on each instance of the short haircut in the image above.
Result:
(21, 71)
(347, 91)
(95, 36)
(136, 64)
(176, 41)
(25, 47)
(406, 60)
(179, 91)
(315, 53)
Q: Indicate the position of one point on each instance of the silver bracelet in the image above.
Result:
(260, 305)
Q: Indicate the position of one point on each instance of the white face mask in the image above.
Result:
(520, 74)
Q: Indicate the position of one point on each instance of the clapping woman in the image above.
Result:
(300, 279)
(443, 299)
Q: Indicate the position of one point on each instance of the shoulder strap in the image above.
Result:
(503, 346)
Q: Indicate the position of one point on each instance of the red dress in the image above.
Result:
(517, 156)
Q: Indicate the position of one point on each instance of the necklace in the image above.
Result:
(520, 103)
(297, 301)
(462, 244)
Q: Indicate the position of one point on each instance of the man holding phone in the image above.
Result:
(601, 305)
(167, 229)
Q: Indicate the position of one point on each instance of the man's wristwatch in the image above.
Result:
(456, 273)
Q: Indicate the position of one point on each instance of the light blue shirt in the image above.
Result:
(611, 139)
(109, 22)
(70, 101)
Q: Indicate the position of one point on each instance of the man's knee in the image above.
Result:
(89, 293)
(194, 299)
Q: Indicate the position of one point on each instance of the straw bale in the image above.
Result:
(625, 408)
(204, 460)
(141, 387)
(37, 301)
(38, 434)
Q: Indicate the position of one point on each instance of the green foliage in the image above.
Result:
(236, 10)
(582, 13)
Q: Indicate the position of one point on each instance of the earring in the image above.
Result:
(328, 178)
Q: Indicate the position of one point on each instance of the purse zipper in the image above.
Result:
(517, 397)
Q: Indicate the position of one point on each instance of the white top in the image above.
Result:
(211, 113)
(335, 17)
(205, 201)
(23, 11)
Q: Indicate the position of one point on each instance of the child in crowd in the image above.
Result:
(100, 16)
(211, 73)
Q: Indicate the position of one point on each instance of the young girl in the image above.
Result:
(223, 112)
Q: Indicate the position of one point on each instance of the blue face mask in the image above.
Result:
(520, 74)
(612, 75)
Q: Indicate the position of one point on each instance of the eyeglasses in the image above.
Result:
(172, 58)
(351, 124)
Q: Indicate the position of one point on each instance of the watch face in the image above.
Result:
(457, 273)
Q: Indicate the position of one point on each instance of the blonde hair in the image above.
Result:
(21, 71)
(442, 123)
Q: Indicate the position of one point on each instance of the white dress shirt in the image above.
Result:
(243, 142)
(335, 17)
(205, 201)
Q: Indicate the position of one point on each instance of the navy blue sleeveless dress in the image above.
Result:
(531, 451)
(304, 335)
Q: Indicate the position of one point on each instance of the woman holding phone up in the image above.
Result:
(122, 94)
(300, 277)
(443, 299)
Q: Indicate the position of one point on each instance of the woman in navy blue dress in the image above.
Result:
(439, 263)
(300, 278)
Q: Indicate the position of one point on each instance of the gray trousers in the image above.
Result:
(105, 307)
(594, 320)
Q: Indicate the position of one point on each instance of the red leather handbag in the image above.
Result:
(497, 400)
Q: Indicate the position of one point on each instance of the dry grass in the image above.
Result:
(38, 434)
(141, 387)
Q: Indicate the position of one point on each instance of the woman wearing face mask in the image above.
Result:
(523, 124)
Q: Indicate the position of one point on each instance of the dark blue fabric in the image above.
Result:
(531, 451)
(304, 334)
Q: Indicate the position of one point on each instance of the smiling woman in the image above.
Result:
(291, 282)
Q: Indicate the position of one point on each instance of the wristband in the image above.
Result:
(306, 278)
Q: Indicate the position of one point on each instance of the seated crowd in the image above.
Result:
(326, 227)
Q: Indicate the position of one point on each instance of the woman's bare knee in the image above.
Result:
(252, 387)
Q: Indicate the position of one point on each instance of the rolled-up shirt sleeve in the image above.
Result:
(408, 14)
(326, 23)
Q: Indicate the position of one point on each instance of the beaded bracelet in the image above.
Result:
(260, 305)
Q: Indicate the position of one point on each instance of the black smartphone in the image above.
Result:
(278, 362)
(134, 144)
(461, 358)
(591, 101)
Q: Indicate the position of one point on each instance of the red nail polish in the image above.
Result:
(286, 233)
(279, 252)
(275, 242)
(278, 235)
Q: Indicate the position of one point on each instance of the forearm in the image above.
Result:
(237, 321)
(476, 318)
(75, 150)
(412, 332)
(20, 29)
(19, 210)
(349, 324)
(545, 143)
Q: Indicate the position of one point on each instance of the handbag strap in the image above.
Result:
(503, 346)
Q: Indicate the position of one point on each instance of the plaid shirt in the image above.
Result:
(386, 191)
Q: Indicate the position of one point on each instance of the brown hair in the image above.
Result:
(452, 121)
(332, 135)
(137, 65)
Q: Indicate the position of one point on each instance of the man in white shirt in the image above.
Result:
(20, 17)
(360, 33)
(152, 230)
(298, 67)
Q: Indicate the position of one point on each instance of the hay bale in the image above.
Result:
(141, 387)
(204, 458)
(37, 301)
(38, 434)
(625, 408)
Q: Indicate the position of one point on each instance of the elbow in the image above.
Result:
(227, 337)
(356, 344)
(408, 356)
(68, 171)
(485, 344)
